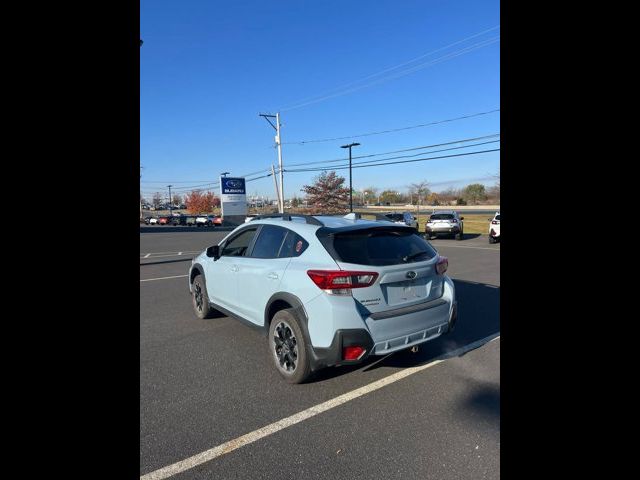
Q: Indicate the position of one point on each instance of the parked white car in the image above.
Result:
(494, 228)
(153, 221)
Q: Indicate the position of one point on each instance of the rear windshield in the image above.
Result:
(395, 216)
(381, 247)
(441, 216)
(497, 217)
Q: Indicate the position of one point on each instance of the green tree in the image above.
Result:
(475, 193)
(370, 194)
(328, 194)
(390, 196)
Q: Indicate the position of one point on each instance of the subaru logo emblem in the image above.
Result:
(411, 275)
(233, 183)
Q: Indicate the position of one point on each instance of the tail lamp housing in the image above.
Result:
(341, 282)
(442, 265)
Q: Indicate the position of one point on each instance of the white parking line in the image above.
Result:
(272, 428)
(163, 278)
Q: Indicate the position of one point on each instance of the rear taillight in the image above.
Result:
(494, 222)
(352, 353)
(340, 282)
(442, 265)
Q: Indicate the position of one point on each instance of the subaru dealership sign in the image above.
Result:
(233, 198)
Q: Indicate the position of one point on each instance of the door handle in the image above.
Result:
(273, 276)
(234, 268)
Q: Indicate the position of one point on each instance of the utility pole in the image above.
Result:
(275, 183)
(170, 202)
(278, 140)
(350, 178)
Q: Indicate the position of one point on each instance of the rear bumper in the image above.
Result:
(332, 355)
(446, 230)
(379, 334)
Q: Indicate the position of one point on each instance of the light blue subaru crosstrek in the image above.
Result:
(326, 290)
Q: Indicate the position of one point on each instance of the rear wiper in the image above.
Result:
(413, 255)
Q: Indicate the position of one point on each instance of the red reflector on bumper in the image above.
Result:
(352, 353)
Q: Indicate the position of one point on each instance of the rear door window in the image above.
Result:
(293, 245)
(381, 247)
(441, 216)
(497, 217)
(269, 242)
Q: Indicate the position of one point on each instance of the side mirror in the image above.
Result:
(461, 218)
(213, 252)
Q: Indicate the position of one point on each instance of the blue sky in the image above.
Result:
(208, 68)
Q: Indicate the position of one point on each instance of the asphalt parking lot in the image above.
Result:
(204, 383)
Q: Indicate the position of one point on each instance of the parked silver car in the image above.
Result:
(404, 218)
(445, 223)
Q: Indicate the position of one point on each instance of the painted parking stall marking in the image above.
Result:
(163, 278)
(272, 428)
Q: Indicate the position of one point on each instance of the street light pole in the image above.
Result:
(170, 202)
(350, 176)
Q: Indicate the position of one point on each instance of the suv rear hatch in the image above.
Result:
(407, 284)
(441, 220)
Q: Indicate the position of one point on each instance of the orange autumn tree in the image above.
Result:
(199, 202)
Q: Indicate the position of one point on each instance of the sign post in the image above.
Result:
(233, 200)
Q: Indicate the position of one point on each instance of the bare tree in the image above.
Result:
(419, 190)
(157, 200)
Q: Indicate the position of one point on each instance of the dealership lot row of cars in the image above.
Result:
(187, 220)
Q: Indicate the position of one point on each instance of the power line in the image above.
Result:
(325, 95)
(393, 163)
(422, 147)
(302, 142)
(449, 56)
(403, 156)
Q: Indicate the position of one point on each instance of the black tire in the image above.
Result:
(291, 356)
(460, 235)
(200, 299)
(492, 239)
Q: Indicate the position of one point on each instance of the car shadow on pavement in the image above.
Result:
(484, 400)
(478, 318)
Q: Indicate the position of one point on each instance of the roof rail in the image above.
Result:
(287, 216)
